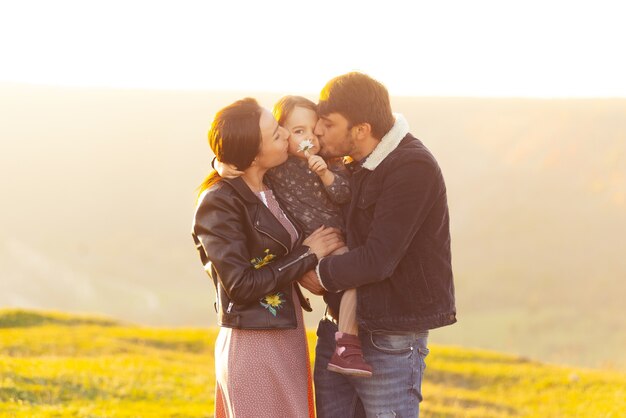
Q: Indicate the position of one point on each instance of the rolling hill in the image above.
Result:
(54, 364)
(98, 190)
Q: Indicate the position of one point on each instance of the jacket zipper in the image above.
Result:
(231, 304)
(256, 223)
(291, 263)
(265, 233)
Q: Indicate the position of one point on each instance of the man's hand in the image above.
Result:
(311, 283)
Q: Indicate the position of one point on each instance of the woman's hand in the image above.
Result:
(226, 171)
(324, 241)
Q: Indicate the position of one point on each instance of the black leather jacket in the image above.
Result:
(249, 256)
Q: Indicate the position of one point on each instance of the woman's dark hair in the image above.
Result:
(235, 137)
(284, 107)
(360, 99)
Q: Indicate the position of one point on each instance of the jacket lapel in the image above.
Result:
(264, 220)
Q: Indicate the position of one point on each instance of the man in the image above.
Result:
(399, 259)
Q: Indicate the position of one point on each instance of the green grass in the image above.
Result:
(58, 365)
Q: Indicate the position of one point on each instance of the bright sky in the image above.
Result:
(425, 48)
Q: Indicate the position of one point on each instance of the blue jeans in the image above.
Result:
(394, 390)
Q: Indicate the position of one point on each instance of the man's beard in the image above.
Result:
(345, 147)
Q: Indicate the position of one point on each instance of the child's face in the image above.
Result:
(300, 124)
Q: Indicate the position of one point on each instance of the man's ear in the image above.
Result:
(362, 130)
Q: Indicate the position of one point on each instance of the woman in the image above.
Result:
(255, 254)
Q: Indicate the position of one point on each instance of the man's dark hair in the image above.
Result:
(360, 99)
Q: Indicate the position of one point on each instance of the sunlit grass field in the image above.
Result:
(59, 365)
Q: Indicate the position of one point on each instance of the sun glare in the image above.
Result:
(483, 48)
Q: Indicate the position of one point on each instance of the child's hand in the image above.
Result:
(319, 167)
(227, 171)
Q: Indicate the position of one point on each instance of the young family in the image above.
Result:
(339, 198)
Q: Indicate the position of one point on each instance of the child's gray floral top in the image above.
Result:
(304, 196)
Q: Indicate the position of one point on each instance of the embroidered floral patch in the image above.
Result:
(259, 262)
(273, 302)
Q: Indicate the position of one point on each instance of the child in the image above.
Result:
(311, 192)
